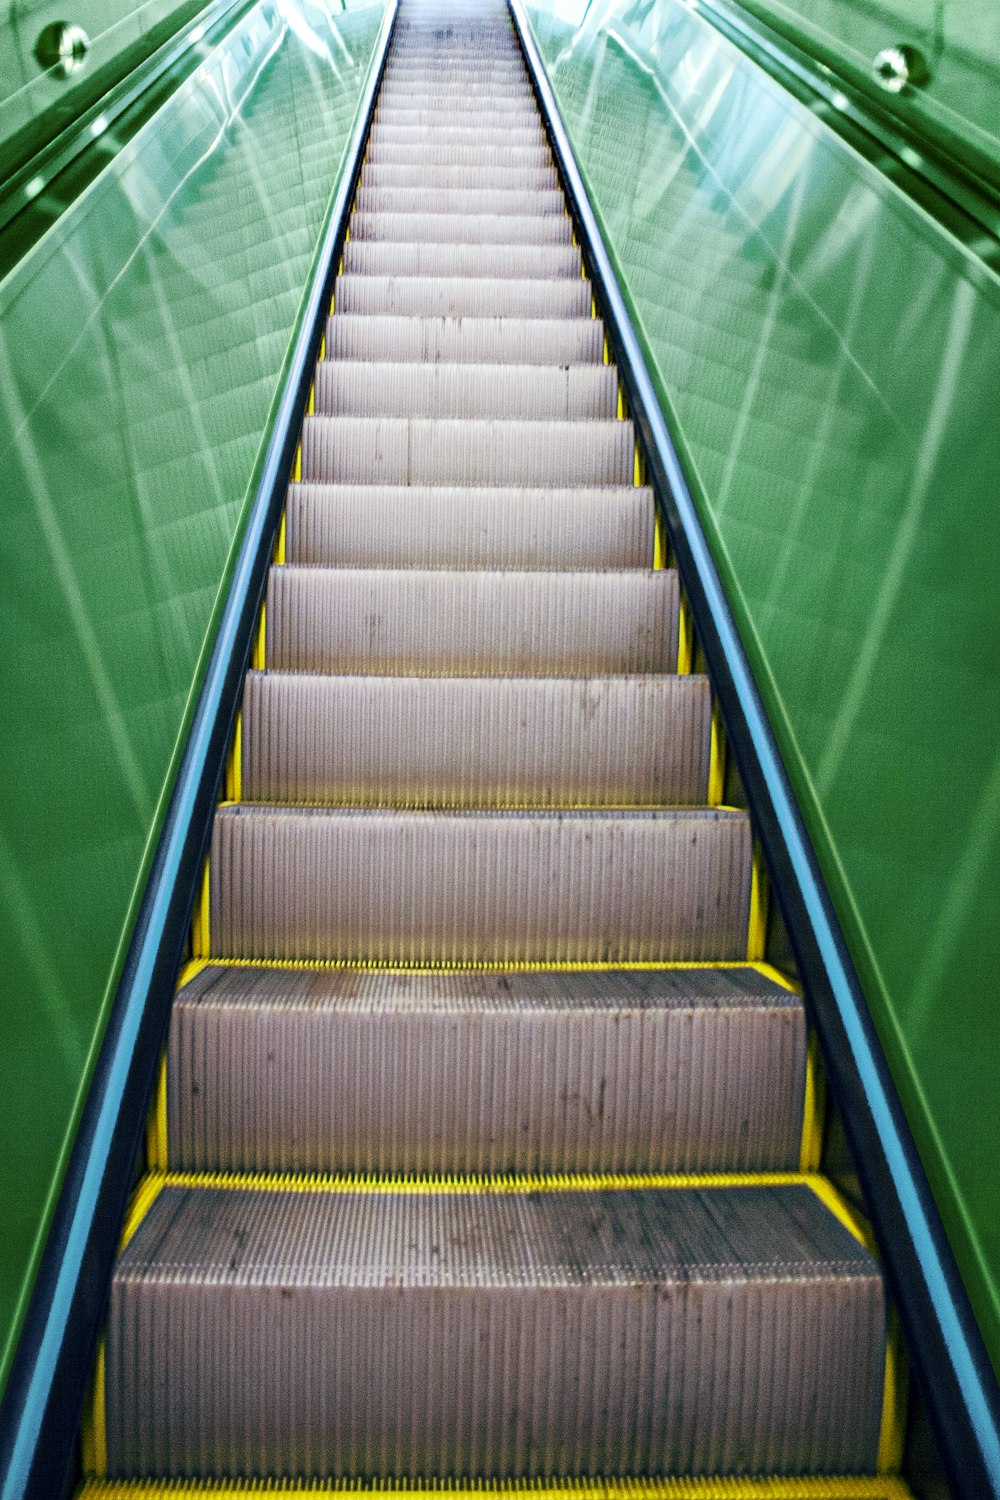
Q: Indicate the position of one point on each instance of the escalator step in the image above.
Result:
(423, 150)
(524, 179)
(479, 887)
(547, 262)
(403, 450)
(476, 742)
(368, 526)
(519, 203)
(473, 623)
(464, 340)
(443, 136)
(580, 393)
(457, 227)
(683, 1070)
(470, 1333)
(462, 297)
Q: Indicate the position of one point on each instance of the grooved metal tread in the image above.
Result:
(449, 623)
(479, 887)
(440, 339)
(532, 1333)
(537, 393)
(463, 296)
(422, 526)
(474, 742)
(395, 1072)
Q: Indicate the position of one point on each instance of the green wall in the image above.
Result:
(830, 359)
(142, 347)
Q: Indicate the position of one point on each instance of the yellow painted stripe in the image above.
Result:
(685, 639)
(892, 1433)
(190, 969)
(501, 1183)
(757, 924)
(448, 966)
(94, 1433)
(279, 546)
(258, 660)
(813, 1108)
(234, 762)
(157, 1158)
(201, 932)
(659, 540)
(297, 465)
(716, 758)
(373, 804)
(811, 1488)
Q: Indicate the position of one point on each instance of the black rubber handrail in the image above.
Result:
(947, 1351)
(41, 1410)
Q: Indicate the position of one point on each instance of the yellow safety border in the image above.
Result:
(757, 919)
(813, 1108)
(201, 924)
(258, 659)
(94, 1438)
(483, 966)
(811, 1488)
(892, 1432)
(685, 638)
(157, 1155)
(234, 762)
(716, 758)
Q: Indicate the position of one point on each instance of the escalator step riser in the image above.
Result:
(426, 99)
(519, 262)
(463, 297)
(522, 179)
(465, 229)
(398, 450)
(529, 392)
(669, 1071)
(460, 742)
(449, 136)
(332, 1333)
(428, 153)
(354, 526)
(455, 202)
(451, 624)
(463, 340)
(469, 888)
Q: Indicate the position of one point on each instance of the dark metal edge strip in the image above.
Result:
(41, 1409)
(947, 1350)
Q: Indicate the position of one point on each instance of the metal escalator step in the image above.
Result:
(464, 340)
(672, 1070)
(465, 228)
(394, 526)
(523, 179)
(400, 450)
(411, 116)
(546, 262)
(387, 887)
(519, 203)
(472, 152)
(353, 388)
(427, 98)
(471, 624)
(462, 297)
(459, 135)
(475, 742)
(555, 1333)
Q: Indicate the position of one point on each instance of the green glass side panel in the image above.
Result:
(957, 101)
(829, 362)
(35, 104)
(142, 348)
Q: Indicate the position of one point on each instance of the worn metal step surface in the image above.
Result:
(463, 296)
(523, 179)
(519, 262)
(456, 227)
(336, 1070)
(418, 526)
(444, 623)
(465, 340)
(473, 202)
(415, 450)
(423, 150)
(580, 393)
(476, 742)
(479, 887)
(493, 1334)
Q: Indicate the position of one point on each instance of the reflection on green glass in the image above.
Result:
(828, 359)
(142, 348)
(953, 96)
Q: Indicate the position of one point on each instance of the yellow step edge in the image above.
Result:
(757, 921)
(449, 966)
(716, 758)
(415, 805)
(824, 1488)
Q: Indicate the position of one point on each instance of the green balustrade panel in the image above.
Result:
(829, 361)
(142, 350)
(955, 100)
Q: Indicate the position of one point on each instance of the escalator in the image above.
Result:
(485, 1149)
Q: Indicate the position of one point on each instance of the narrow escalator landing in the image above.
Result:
(481, 1138)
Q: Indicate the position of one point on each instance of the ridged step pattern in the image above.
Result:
(474, 941)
